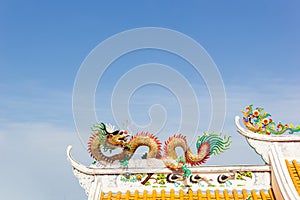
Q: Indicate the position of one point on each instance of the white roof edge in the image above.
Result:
(267, 138)
(77, 165)
(281, 173)
(201, 169)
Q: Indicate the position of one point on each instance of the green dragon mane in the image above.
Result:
(217, 143)
(100, 130)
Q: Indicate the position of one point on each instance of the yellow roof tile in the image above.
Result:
(190, 195)
(294, 171)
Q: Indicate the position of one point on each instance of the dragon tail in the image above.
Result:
(212, 144)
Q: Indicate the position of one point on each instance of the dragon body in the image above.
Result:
(206, 145)
(260, 122)
(104, 140)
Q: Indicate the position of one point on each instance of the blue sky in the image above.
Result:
(254, 44)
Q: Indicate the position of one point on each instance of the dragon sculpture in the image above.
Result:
(105, 138)
(260, 122)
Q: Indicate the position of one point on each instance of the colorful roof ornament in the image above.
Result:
(261, 122)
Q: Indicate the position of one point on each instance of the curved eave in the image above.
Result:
(261, 137)
(77, 165)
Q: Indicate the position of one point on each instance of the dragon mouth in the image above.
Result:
(124, 136)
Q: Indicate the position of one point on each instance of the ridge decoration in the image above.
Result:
(106, 139)
(261, 122)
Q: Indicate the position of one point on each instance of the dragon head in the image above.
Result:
(117, 138)
(109, 137)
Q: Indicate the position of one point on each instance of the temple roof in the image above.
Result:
(209, 182)
(150, 178)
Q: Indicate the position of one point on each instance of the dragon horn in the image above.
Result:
(103, 128)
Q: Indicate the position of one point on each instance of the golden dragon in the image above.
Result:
(105, 138)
